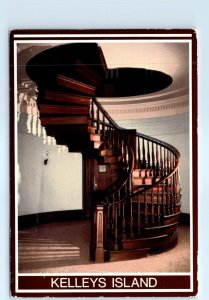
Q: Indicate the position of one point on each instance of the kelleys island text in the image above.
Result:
(110, 282)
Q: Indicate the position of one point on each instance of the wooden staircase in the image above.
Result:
(135, 203)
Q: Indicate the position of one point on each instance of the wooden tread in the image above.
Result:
(57, 97)
(64, 120)
(63, 110)
(128, 254)
(75, 85)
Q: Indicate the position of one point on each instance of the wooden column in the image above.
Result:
(99, 234)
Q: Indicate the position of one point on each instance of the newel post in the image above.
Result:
(99, 233)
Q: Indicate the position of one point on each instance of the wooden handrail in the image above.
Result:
(116, 186)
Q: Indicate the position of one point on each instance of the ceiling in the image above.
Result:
(169, 57)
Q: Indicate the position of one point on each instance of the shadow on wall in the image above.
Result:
(49, 177)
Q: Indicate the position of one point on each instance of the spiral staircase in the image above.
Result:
(135, 201)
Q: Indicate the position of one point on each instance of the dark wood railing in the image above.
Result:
(126, 210)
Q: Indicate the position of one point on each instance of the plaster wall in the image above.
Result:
(55, 186)
(175, 131)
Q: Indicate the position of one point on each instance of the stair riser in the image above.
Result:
(106, 152)
(127, 255)
(160, 230)
(168, 245)
(63, 110)
(57, 97)
(143, 243)
(67, 130)
(170, 220)
(95, 137)
(45, 121)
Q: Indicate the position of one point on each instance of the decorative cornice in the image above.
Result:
(149, 110)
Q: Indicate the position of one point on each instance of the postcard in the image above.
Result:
(103, 131)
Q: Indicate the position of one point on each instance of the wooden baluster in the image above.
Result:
(115, 227)
(177, 187)
(168, 196)
(152, 207)
(127, 155)
(131, 218)
(120, 146)
(157, 160)
(103, 127)
(113, 138)
(168, 160)
(119, 204)
(92, 113)
(98, 121)
(163, 199)
(143, 153)
(165, 169)
(139, 153)
(148, 155)
(159, 204)
(138, 214)
(146, 209)
(153, 156)
(123, 152)
(124, 221)
(108, 136)
(161, 162)
(172, 193)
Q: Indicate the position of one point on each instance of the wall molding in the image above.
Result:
(49, 217)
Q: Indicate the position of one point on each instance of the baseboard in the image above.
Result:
(49, 217)
(184, 219)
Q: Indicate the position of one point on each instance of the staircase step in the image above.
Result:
(163, 229)
(138, 181)
(141, 181)
(143, 242)
(63, 110)
(97, 144)
(147, 181)
(76, 85)
(128, 254)
(143, 173)
(69, 129)
(95, 137)
(106, 152)
(169, 219)
(65, 98)
(115, 167)
(64, 120)
(111, 159)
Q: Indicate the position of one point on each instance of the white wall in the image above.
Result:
(173, 130)
(56, 186)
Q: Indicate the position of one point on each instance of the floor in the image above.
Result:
(64, 248)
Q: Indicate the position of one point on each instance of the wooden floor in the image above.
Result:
(64, 247)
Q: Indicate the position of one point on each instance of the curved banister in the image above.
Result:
(116, 186)
(120, 182)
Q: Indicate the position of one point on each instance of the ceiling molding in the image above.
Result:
(149, 110)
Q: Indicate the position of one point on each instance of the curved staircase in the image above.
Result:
(135, 201)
